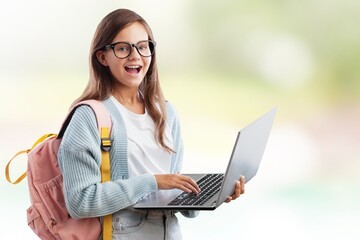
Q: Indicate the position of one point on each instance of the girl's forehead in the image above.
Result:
(134, 32)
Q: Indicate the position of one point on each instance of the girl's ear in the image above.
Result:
(102, 58)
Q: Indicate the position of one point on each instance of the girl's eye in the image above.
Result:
(122, 47)
(142, 47)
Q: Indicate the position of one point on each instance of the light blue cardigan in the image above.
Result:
(80, 158)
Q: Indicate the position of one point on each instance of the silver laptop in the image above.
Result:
(216, 187)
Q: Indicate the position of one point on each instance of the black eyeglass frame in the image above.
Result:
(132, 45)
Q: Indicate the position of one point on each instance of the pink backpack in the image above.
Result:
(47, 215)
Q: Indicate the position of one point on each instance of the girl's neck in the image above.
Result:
(130, 100)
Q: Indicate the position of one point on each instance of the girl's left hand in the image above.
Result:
(239, 189)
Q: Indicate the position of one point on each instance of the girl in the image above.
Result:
(147, 150)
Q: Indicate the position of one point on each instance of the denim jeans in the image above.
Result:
(131, 224)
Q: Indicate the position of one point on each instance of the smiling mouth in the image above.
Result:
(133, 69)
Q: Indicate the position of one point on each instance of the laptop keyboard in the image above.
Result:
(209, 184)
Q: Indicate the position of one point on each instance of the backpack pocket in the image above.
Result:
(37, 224)
(52, 196)
(56, 217)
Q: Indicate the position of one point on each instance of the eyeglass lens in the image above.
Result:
(144, 48)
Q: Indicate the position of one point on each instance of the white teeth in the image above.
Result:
(133, 67)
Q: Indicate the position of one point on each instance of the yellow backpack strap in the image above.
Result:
(105, 152)
(105, 176)
(7, 168)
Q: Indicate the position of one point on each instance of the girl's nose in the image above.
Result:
(134, 55)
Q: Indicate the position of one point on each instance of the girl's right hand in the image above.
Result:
(170, 181)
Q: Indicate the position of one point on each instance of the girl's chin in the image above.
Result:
(132, 82)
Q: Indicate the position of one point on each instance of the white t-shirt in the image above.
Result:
(144, 154)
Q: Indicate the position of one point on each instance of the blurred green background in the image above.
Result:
(222, 64)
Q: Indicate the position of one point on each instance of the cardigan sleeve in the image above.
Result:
(79, 160)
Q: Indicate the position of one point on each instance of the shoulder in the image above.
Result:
(171, 112)
(172, 117)
(82, 127)
(83, 116)
(84, 112)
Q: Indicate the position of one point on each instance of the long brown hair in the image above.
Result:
(101, 81)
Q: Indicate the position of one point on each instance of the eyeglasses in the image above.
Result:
(122, 50)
